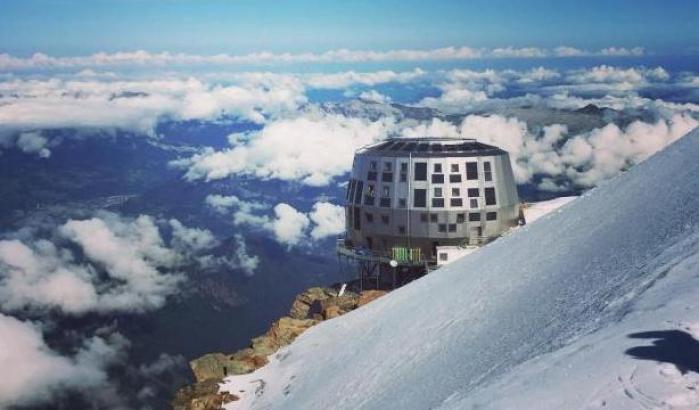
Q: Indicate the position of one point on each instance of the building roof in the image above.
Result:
(430, 147)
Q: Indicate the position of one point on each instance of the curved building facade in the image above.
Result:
(429, 192)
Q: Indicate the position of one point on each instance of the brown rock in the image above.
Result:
(307, 310)
(301, 307)
(332, 312)
(202, 396)
(368, 296)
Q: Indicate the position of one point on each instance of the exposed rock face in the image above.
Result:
(308, 309)
(202, 396)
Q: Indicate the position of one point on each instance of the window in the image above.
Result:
(358, 192)
(403, 177)
(369, 217)
(384, 219)
(387, 166)
(385, 202)
(452, 227)
(443, 256)
(372, 165)
(473, 203)
(471, 171)
(473, 193)
(442, 227)
(350, 187)
(487, 171)
(454, 167)
(438, 192)
(437, 202)
(369, 196)
(433, 217)
(437, 178)
(404, 167)
(423, 217)
(491, 216)
(455, 192)
(456, 202)
(474, 217)
(421, 171)
(401, 230)
(460, 218)
(401, 203)
(371, 176)
(387, 177)
(386, 192)
(356, 217)
(419, 198)
(490, 196)
(437, 168)
(454, 178)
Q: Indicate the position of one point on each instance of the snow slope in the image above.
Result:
(536, 210)
(534, 316)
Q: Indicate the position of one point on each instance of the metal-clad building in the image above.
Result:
(429, 192)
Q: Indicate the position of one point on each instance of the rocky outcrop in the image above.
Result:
(308, 309)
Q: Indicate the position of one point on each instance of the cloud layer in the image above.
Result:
(285, 223)
(143, 58)
(103, 264)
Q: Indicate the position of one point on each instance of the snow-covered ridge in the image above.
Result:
(532, 295)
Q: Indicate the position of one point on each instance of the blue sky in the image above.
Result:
(71, 27)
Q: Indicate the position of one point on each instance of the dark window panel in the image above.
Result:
(490, 196)
(419, 198)
(437, 178)
(471, 171)
(473, 193)
(474, 217)
(358, 192)
(437, 202)
(454, 178)
(371, 176)
(491, 216)
(385, 202)
(442, 227)
(421, 171)
(456, 202)
(387, 177)
(452, 227)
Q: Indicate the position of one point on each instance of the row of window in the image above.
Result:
(460, 218)
(420, 197)
(354, 192)
(437, 176)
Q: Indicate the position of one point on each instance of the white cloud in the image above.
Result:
(374, 96)
(33, 142)
(349, 78)
(289, 224)
(142, 58)
(435, 128)
(287, 149)
(135, 105)
(328, 220)
(242, 259)
(513, 52)
(32, 373)
(623, 51)
(610, 74)
(127, 266)
(584, 160)
(187, 239)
